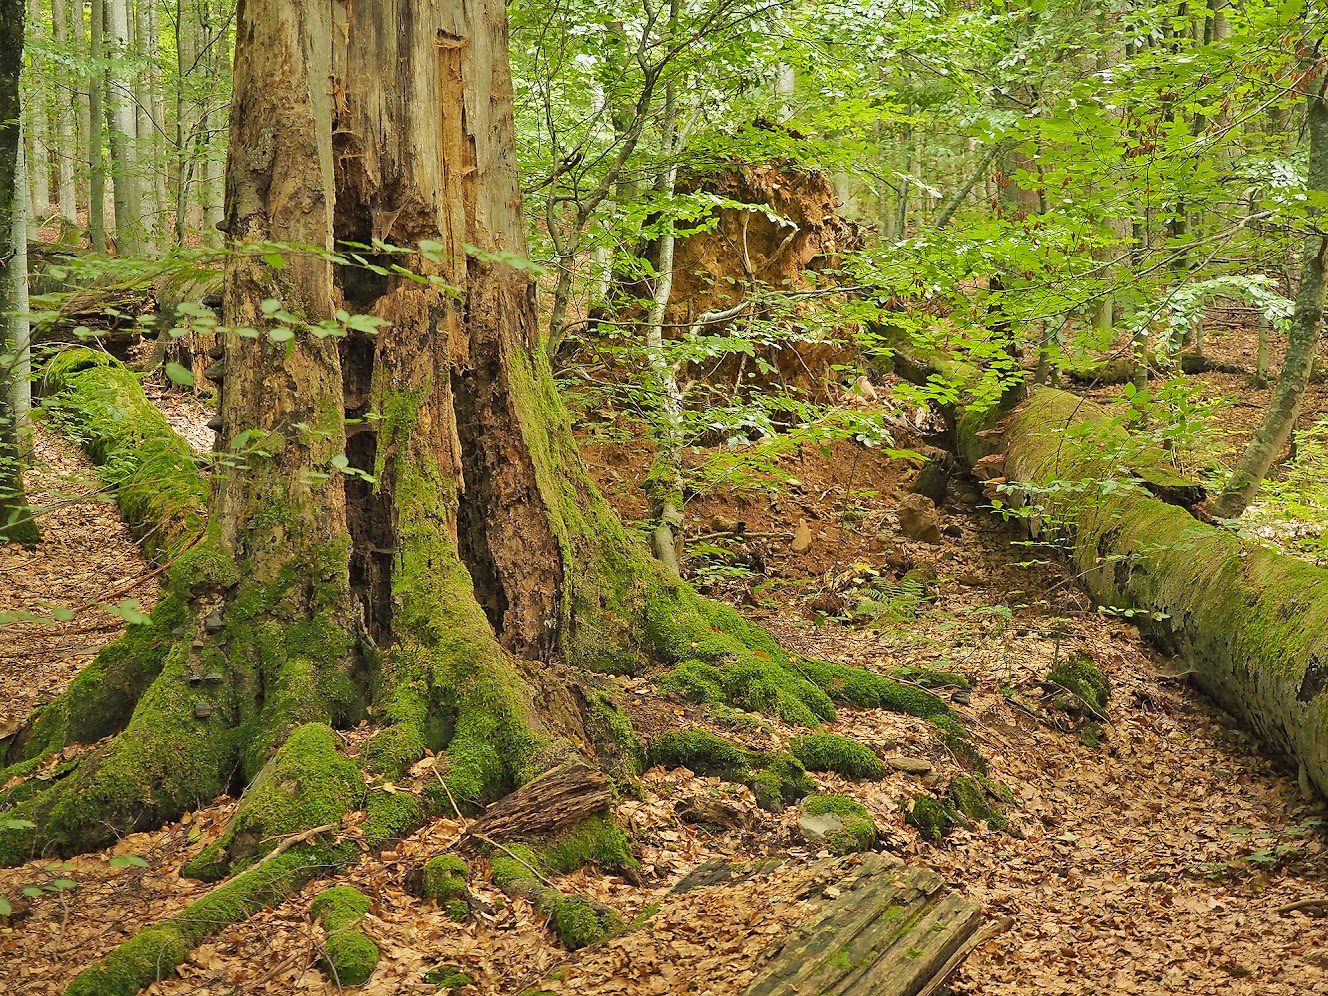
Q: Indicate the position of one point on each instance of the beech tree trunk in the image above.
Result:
(123, 126)
(66, 107)
(16, 522)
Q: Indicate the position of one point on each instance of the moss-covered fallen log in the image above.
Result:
(158, 486)
(1250, 622)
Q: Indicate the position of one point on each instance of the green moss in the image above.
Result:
(970, 798)
(449, 978)
(930, 677)
(854, 686)
(955, 739)
(1085, 679)
(445, 883)
(309, 783)
(610, 731)
(596, 838)
(158, 487)
(776, 778)
(859, 830)
(349, 957)
(834, 752)
(577, 921)
(932, 818)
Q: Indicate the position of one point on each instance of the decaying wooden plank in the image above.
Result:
(888, 930)
(563, 797)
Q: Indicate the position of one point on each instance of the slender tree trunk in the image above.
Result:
(39, 162)
(16, 522)
(148, 9)
(66, 109)
(79, 37)
(123, 124)
(96, 161)
(145, 126)
(1274, 431)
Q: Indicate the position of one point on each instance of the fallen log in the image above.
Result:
(1251, 623)
(563, 798)
(888, 930)
(158, 487)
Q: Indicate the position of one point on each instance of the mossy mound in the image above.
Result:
(595, 839)
(100, 404)
(969, 796)
(445, 883)
(838, 753)
(931, 677)
(776, 778)
(932, 818)
(1080, 675)
(955, 739)
(448, 978)
(859, 830)
(577, 920)
(349, 957)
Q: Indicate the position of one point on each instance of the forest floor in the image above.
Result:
(1157, 853)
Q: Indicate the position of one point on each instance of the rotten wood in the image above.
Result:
(560, 799)
(888, 930)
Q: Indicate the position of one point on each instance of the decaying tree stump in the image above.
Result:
(888, 930)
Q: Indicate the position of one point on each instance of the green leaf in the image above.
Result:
(65, 883)
(281, 334)
(179, 374)
(126, 860)
(5, 908)
(62, 614)
(340, 461)
(274, 260)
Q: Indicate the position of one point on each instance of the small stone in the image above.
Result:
(802, 537)
(932, 480)
(970, 497)
(962, 697)
(212, 622)
(918, 519)
(910, 765)
(202, 710)
(953, 530)
(815, 829)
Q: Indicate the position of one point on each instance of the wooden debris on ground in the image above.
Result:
(888, 930)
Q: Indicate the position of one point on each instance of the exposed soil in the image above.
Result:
(1153, 853)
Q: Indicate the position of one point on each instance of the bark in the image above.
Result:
(96, 163)
(1250, 623)
(39, 160)
(885, 930)
(66, 107)
(1274, 432)
(16, 523)
(123, 127)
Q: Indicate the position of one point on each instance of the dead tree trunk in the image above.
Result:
(1252, 624)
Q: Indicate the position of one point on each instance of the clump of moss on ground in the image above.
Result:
(596, 838)
(859, 830)
(835, 752)
(349, 957)
(1080, 675)
(445, 883)
(775, 777)
(955, 739)
(577, 920)
(967, 801)
(448, 979)
(970, 798)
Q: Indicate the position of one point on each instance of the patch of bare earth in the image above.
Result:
(1161, 859)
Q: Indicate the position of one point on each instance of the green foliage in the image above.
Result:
(349, 957)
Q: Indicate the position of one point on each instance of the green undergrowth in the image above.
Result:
(595, 839)
(449, 979)
(775, 777)
(577, 920)
(100, 404)
(349, 957)
(859, 830)
(835, 752)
